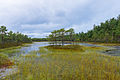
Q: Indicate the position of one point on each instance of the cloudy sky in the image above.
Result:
(37, 18)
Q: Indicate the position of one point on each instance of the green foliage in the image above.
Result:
(8, 39)
(105, 32)
(39, 39)
(108, 32)
(61, 35)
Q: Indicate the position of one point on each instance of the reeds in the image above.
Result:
(64, 64)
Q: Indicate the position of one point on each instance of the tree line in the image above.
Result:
(10, 38)
(39, 39)
(108, 32)
(61, 35)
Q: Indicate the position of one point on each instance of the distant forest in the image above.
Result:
(39, 39)
(107, 32)
(8, 39)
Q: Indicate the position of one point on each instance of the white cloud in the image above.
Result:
(25, 11)
(39, 17)
(37, 35)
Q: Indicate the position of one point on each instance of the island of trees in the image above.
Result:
(8, 39)
(61, 35)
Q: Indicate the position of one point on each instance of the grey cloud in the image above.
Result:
(38, 18)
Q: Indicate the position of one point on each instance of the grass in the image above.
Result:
(13, 50)
(10, 51)
(4, 53)
(66, 47)
(12, 44)
(9, 44)
(104, 44)
(4, 61)
(68, 63)
(110, 44)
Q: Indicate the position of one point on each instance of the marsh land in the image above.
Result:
(40, 61)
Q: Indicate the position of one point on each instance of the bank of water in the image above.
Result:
(16, 56)
(112, 50)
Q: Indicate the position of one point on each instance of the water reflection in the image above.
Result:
(31, 47)
(35, 46)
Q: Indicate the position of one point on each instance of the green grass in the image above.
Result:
(10, 51)
(104, 44)
(4, 53)
(68, 63)
(12, 44)
(13, 50)
(66, 47)
(4, 61)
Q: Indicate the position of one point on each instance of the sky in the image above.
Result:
(37, 18)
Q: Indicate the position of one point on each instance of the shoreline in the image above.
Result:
(4, 57)
(17, 45)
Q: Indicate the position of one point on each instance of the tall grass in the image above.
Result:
(9, 44)
(5, 61)
(68, 64)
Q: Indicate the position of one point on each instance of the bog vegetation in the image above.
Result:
(4, 60)
(56, 63)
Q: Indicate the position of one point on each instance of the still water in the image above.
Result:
(115, 51)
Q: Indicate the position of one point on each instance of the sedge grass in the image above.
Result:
(5, 61)
(63, 64)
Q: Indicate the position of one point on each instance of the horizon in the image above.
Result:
(38, 18)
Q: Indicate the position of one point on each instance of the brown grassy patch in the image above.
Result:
(4, 61)
(66, 47)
